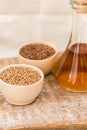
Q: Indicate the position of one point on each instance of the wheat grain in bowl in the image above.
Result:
(40, 54)
(20, 83)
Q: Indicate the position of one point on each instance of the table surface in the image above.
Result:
(55, 108)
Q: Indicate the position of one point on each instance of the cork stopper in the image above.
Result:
(81, 1)
(80, 6)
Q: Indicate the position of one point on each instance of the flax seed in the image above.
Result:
(37, 51)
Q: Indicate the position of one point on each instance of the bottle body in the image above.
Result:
(71, 69)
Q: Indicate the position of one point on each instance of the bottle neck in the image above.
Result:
(79, 27)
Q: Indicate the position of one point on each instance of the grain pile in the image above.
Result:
(37, 51)
(20, 76)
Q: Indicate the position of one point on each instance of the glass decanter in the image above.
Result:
(70, 70)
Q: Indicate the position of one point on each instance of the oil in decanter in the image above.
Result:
(71, 69)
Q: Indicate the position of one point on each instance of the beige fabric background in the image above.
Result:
(30, 20)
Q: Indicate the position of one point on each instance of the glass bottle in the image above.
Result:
(71, 69)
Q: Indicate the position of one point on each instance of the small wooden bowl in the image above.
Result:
(45, 64)
(24, 94)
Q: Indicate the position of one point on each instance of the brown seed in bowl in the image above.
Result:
(20, 76)
(36, 51)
